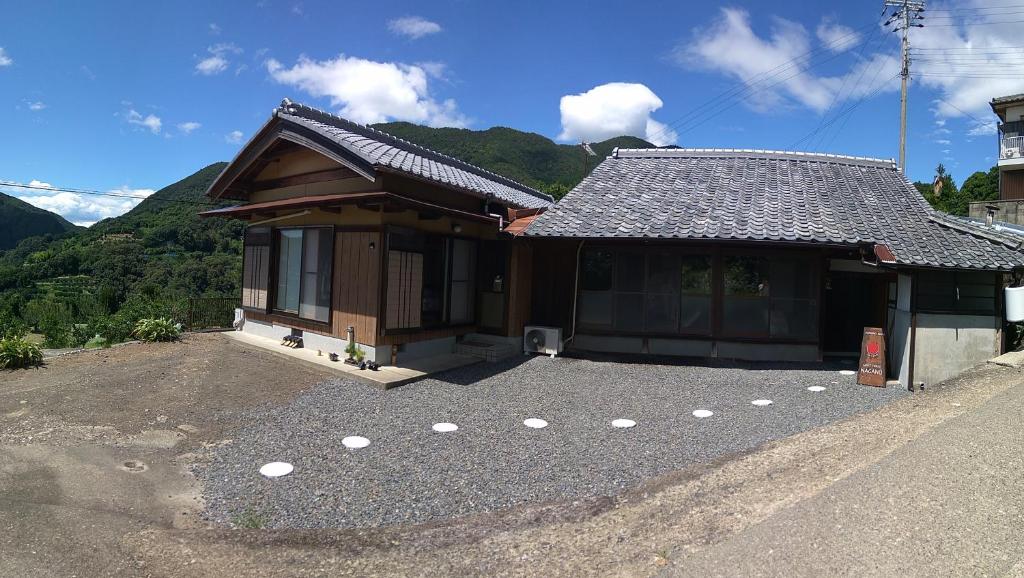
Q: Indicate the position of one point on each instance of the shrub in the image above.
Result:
(16, 352)
(160, 329)
(11, 327)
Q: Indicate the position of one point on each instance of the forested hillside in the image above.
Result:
(102, 279)
(20, 220)
(529, 158)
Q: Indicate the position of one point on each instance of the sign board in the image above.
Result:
(872, 358)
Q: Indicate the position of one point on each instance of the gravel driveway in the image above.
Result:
(410, 473)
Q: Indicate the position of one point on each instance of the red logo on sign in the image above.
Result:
(873, 348)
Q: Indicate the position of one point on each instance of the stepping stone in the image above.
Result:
(847, 372)
(702, 413)
(355, 442)
(276, 469)
(623, 423)
(445, 427)
(762, 402)
(816, 388)
(535, 423)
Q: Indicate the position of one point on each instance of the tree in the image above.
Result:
(981, 186)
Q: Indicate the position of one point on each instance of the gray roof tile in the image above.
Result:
(769, 195)
(382, 150)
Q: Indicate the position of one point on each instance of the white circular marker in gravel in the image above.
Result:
(445, 427)
(816, 388)
(355, 442)
(702, 413)
(623, 423)
(535, 423)
(276, 469)
(847, 372)
(761, 402)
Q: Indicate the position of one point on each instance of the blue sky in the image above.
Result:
(131, 96)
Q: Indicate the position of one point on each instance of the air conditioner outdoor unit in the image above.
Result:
(546, 340)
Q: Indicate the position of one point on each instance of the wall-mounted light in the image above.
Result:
(456, 228)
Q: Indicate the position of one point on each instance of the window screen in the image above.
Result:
(659, 291)
(964, 292)
(770, 297)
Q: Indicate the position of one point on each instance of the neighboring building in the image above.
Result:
(351, 227)
(771, 256)
(1010, 206)
(684, 252)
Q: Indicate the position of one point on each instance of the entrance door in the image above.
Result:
(853, 301)
(493, 286)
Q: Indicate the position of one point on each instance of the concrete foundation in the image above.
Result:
(696, 348)
(314, 341)
(948, 344)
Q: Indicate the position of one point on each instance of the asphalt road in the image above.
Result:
(948, 502)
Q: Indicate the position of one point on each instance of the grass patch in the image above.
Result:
(250, 519)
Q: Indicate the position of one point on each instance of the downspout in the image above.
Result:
(575, 295)
(913, 329)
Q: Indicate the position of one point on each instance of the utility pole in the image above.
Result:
(906, 16)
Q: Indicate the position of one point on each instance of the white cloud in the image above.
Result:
(367, 91)
(613, 109)
(836, 37)
(214, 28)
(968, 64)
(218, 60)
(188, 127)
(413, 27)
(775, 68)
(80, 209)
(234, 137)
(5, 60)
(943, 141)
(150, 121)
(36, 106)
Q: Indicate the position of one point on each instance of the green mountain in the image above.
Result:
(20, 220)
(527, 157)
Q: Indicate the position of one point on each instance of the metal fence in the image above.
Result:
(209, 313)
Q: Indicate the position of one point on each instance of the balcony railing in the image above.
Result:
(1011, 147)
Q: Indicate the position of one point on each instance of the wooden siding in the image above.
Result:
(520, 288)
(404, 289)
(356, 284)
(1011, 185)
(554, 261)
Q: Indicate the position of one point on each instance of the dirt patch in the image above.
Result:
(198, 386)
(96, 446)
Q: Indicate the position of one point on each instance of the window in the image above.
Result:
(434, 274)
(304, 272)
(774, 297)
(964, 292)
(745, 305)
(645, 291)
(255, 267)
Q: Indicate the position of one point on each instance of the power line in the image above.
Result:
(746, 87)
(845, 112)
(846, 78)
(17, 185)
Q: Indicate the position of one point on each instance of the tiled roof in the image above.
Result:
(716, 194)
(382, 150)
(1007, 99)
